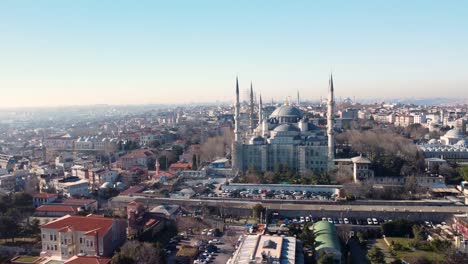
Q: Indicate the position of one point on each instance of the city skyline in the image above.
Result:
(85, 53)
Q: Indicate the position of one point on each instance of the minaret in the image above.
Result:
(298, 101)
(260, 111)
(251, 126)
(236, 152)
(236, 114)
(330, 121)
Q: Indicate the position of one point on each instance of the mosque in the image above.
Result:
(284, 138)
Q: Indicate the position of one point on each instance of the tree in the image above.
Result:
(137, 252)
(326, 259)
(22, 199)
(294, 230)
(417, 233)
(464, 172)
(8, 228)
(375, 255)
(440, 245)
(257, 210)
(120, 258)
(307, 236)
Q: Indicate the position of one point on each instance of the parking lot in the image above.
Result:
(212, 247)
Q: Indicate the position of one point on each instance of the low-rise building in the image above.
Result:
(43, 198)
(257, 249)
(72, 186)
(326, 240)
(91, 235)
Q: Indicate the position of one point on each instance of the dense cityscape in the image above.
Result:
(233, 132)
(247, 182)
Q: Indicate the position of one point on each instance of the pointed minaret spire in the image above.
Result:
(236, 114)
(298, 101)
(260, 111)
(330, 120)
(251, 127)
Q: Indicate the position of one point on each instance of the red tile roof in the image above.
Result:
(44, 195)
(88, 260)
(101, 225)
(133, 189)
(57, 208)
(134, 203)
(181, 165)
(79, 201)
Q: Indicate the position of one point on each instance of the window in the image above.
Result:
(81, 240)
(55, 247)
(51, 237)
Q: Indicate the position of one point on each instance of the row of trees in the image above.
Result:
(14, 212)
(283, 174)
(390, 153)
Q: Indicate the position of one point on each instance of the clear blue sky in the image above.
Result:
(79, 52)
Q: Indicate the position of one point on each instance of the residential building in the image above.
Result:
(8, 182)
(43, 198)
(72, 186)
(60, 142)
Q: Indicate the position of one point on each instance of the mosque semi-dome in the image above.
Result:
(286, 128)
(454, 133)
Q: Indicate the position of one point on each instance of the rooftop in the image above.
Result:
(100, 225)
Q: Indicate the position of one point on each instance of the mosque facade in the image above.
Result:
(284, 138)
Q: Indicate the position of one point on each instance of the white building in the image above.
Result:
(75, 187)
(257, 249)
(88, 235)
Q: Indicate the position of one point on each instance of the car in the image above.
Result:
(215, 241)
(335, 221)
(340, 220)
(324, 219)
(369, 221)
(374, 220)
(346, 221)
(330, 220)
(307, 219)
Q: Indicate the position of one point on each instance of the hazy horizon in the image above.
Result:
(60, 53)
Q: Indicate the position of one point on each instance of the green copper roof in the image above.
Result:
(325, 236)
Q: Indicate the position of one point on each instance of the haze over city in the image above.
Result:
(125, 52)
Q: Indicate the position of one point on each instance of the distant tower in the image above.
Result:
(260, 111)
(236, 114)
(298, 101)
(330, 121)
(251, 116)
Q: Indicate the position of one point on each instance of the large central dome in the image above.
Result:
(286, 111)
